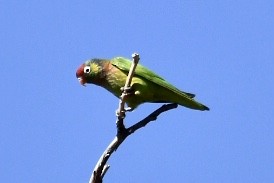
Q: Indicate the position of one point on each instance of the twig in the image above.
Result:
(122, 132)
(152, 117)
(121, 108)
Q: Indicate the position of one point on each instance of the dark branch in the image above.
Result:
(152, 117)
(98, 173)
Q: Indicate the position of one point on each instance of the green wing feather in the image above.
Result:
(141, 71)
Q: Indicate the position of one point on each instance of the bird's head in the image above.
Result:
(82, 73)
(87, 72)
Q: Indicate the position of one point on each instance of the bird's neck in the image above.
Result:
(100, 69)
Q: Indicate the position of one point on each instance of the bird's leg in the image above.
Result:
(128, 90)
(131, 90)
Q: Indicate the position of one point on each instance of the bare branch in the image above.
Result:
(98, 173)
(152, 117)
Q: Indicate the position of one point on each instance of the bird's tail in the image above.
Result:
(187, 100)
(191, 103)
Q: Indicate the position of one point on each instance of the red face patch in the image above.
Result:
(80, 71)
(80, 74)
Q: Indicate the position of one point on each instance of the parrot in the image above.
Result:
(146, 86)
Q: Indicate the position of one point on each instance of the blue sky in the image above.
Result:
(54, 130)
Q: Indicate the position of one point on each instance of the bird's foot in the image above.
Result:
(128, 90)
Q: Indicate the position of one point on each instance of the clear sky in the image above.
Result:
(54, 130)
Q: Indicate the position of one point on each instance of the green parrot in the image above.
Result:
(146, 86)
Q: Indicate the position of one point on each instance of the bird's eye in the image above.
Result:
(87, 69)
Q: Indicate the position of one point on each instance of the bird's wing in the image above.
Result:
(141, 71)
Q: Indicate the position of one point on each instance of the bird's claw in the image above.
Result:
(127, 90)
